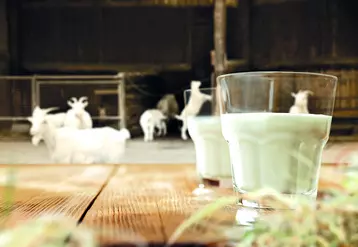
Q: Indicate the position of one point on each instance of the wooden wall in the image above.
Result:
(65, 36)
(99, 37)
(303, 34)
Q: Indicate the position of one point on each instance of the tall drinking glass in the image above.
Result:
(276, 125)
(204, 126)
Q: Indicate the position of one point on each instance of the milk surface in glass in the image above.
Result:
(212, 151)
(281, 151)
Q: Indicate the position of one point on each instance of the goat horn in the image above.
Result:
(50, 109)
(82, 99)
(309, 92)
(73, 99)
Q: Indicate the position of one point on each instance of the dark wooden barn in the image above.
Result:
(171, 44)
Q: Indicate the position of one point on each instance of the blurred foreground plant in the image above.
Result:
(45, 231)
(333, 222)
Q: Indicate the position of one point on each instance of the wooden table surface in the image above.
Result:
(124, 204)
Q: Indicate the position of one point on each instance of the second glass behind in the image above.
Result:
(204, 126)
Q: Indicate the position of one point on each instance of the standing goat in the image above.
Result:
(77, 117)
(193, 106)
(151, 119)
(57, 121)
(301, 101)
(79, 146)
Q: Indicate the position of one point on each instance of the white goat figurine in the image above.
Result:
(57, 121)
(79, 146)
(301, 101)
(193, 106)
(77, 117)
(151, 119)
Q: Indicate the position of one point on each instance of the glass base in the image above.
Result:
(202, 193)
(219, 182)
(268, 200)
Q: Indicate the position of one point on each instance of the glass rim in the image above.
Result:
(202, 88)
(252, 73)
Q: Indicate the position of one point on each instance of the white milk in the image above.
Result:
(265, 147)
(212, 151)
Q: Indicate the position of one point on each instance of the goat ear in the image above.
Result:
(309, 92)
(85, 104)
(293, 94)
(69, 103)
(29, 119)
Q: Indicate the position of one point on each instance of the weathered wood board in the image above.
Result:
(124, 204)
(146, 203)
(50, 190)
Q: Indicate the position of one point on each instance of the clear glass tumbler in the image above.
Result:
(277, 125)
(204, 126)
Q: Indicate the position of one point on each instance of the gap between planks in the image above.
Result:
(106, 182)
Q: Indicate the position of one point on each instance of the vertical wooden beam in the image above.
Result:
(5, 85)
(219, 44)
(220, 36)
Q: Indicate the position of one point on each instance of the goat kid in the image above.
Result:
(151, 119)
(301, 102)
(77, 117)
(57, 121)
(192, 108)
(79, 146)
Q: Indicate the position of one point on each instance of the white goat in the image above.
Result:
(301, 101)
(77, 117)
(57, 120)
(151, 119)
(193, 106)
(80, 146)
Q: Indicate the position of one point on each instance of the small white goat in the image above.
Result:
(301, 101)
(77, 117)
(80, 146)
(193, 106)
(57, 120)
(151, 119)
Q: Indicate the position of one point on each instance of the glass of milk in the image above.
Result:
(211, 149)
(275, 132)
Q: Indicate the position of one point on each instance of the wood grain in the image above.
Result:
(147, 203)
(51, 190)
(124, 204)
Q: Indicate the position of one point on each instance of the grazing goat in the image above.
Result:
(57, 120)
(193, 106)
(151, 119)
(168, 105)
(80, 146)
(77, 117)
(301, 101)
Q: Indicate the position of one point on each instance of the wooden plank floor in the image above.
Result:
(124, 204)
(52, 190)
(147, 203)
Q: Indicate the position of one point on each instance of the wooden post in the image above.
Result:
(6, 98)
(219, 44)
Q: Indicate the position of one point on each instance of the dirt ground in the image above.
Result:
(170, 151)
(165, 151)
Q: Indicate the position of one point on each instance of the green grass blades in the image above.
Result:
(47, 231)
(206, 211)
(8, 196)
